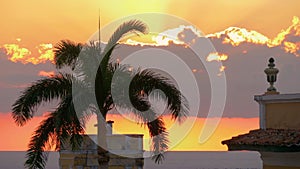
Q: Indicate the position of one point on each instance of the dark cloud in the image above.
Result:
(244, 67)
(15, 77)
(244, 70)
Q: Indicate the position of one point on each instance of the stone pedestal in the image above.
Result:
(279, 110)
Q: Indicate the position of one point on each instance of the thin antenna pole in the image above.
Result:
(99, 34)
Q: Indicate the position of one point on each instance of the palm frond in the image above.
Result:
(36, 155)
(68, 126)
(66, 52)
(157, 132)
(147, 81)
(61, 126)
(159, 137)
(104, 65)
(103, 83)
(46, 90)
(130, 26)
(88, 62)
(135, 26)
(100, 92)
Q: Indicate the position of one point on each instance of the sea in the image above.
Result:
(173, 160)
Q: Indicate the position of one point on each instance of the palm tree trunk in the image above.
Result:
(103, 154)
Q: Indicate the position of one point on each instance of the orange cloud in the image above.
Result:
(21, 54)
(235, 36)
(188, 35)
(46, 52)
(175, 36)
(136, 43)
(222, 68)
(46, 74)
(215, 56)
(17, 53)
(291, 47)
(219, 57)
(286, 44)
(178, 35)
(293, 29)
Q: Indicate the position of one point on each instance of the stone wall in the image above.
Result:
(279, 111)
(126, 151)
(283, 115)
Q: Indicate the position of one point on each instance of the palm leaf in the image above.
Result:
(68, 125)
(36, 156)
(135, 26)
(66, 52)
(46, 90)
(59, 127)
(147, 81)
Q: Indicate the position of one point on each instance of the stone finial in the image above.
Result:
(271, 73)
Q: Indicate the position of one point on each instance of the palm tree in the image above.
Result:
(66, 123)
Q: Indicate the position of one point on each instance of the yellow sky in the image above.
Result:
(184, 136)
(37, 22)
(180, 138)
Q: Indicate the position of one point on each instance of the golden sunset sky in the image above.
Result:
(36, 26)
(37, 22)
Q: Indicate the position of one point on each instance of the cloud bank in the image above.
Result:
(243, 53)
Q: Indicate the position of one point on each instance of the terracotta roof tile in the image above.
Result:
(273, 137)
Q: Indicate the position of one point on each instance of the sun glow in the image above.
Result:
(182, 35)
(178, 35)
(182, 140)
(228, 127)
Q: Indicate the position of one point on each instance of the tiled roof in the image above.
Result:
(268, 137)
